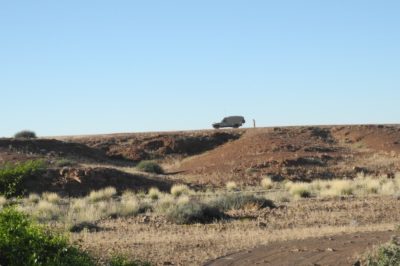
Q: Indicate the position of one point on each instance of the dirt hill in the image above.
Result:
(244, 155)
(299, 153)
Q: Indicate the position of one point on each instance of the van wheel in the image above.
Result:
(236, 126)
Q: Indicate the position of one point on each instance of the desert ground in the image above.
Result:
(310, 195)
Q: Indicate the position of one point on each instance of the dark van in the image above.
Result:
(230, 121)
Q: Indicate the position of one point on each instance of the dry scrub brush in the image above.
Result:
(102, 194)
(267, 182)
(179, 190)
(359, 186)
(231, 186)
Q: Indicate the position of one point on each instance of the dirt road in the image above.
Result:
(336, 250)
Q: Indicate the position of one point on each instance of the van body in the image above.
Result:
(230, 121)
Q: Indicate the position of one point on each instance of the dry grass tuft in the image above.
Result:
(46, 211)
(33, 198)
(341, 187)
(82, 211)
(51, 197)
(362, 186)
(103, 194)
(267, 183)
(300, 190)
(178, 190)
(154, 193)
(3, 201)
(164, 203)
(183, 199)
(231, 186)
(128, 207)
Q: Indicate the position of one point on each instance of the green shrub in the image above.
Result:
(22, 242)
(193, 212)
(25, 134)
(12, 176)
(385, 255)
(150, 167)
(123, 261)
(238, 201)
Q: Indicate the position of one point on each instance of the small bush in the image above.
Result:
(183, 199)
(154, 193)
(150, 167)
(373, 186)
(78, 204)
(164, 203)
(193, 212)
(385, 255)
(123, 261)
(80, 211)
(300, 190)
(231, 186)
(12, 176)
(3, 201)
(342, 187)
(129, 206)
(240, 201)
(102, 194)
(22, 242)
(25, 134)
(388, 188)
(46, 211)
(178, 190)
(51, 197)
(267, 183)
(33, 198)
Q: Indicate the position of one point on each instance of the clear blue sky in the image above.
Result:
(82, 67)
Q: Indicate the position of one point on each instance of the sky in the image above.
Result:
(93, 66)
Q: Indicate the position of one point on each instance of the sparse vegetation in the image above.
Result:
(3, 201)
(12, 176)
(178, 190)
(25, 134)
(129, 206)
(299, 190)
(51, 197)
(164, 203)
(154, 193)
(193, 212)
(33, 198)
(231, 186)
(46, 211)
(335, 188)
(220, 218)
(119, 260)
(385, 255)
(150, 167)
(238, 201)
(267, 182)
(362, 186)
(102, 194)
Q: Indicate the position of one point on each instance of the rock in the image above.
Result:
(91, 227)
(262, 225)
